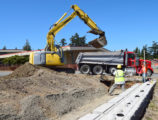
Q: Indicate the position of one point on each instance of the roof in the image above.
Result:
(70, 48)
(23, 53)
(65, 48)
(10, 50)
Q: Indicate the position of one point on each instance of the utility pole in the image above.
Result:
(144, 58)
(144, 64)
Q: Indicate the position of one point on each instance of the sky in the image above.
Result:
(127, 23)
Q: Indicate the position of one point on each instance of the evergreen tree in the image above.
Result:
(82, 41)
(27, 46)
(77, 41)
(154, 50)
(137, 51)
(4, 48)
(63, 42)
(147, 54)
(150, 52)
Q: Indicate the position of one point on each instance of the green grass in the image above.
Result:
(148, 118)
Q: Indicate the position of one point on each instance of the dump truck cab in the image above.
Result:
(133, 61)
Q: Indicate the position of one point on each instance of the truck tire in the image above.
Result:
(85, 69)
(149, 73)
(112, 70)
(97, 70)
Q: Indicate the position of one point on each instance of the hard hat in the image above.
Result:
(119, 66)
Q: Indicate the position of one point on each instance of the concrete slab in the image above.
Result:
(127, 106)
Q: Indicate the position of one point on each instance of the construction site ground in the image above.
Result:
(152, 110)
(38, 93)
(32, 92)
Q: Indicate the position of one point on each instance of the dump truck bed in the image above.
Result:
(109, 58)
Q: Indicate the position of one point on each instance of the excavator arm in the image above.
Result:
(53, 54)
(99, 42)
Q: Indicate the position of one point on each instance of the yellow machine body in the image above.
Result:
(45, 58)
(31, 60)
(53, 59)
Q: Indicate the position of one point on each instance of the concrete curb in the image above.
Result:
(130, 105)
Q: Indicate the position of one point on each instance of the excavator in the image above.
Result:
(53, 54)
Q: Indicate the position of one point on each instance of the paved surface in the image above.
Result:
(155, 75)
(4, 73)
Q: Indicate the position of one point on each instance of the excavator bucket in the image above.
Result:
(98, 42)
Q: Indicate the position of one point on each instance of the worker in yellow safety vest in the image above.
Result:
(119, 79)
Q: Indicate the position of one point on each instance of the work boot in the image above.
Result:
(111, 94)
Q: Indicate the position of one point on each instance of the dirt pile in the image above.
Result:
(25, 70)
(33, 92)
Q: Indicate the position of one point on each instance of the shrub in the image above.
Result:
(15, 60)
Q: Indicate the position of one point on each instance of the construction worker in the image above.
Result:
(119, 80)
(144, 72)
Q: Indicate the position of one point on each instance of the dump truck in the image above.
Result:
(97, 62)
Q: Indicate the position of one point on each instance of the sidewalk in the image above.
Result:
(4, 73)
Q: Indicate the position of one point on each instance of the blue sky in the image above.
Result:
(127, 23)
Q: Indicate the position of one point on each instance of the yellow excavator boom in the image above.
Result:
(53, 55)
(86, 19)
(61, 23)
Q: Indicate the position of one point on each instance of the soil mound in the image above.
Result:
(45, 92)
(25, 70)
(35, 92)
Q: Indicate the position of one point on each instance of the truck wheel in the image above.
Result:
(85, 69)
(149, 73)
(97, 70)
(112, 70)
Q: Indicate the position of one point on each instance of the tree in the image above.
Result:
(63, 42)
(77, 41)
(154, 49)
(147, 54)
(4, 48)
(27, 46)
(16, 48)
(150, 52)
(137, 51)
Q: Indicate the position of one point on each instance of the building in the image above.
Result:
(70, 54)
(8, 51)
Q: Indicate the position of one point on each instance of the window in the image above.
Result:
(132, 56)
